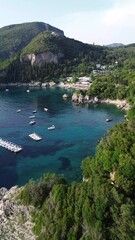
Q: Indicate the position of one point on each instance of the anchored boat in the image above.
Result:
(35, 136)
(51, 127)
(32, 122)
(108, 119)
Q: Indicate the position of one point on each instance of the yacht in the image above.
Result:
(51, 127)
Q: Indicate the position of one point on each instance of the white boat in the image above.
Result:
(19, 110)
(45, 109)
(32, 122)
(51, 127)
(28, 90)
(34, 111)
(35, 136)
(32, 116)
(7, 90)
(108, 119)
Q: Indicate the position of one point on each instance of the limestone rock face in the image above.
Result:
(40, 58)
(96, 100)
(75, 97)
(15, 219)
(80, 98)
(86, 98)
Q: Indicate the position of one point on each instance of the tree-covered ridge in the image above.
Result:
(76, 57)
(14, 38)
(100, 207)
(41, 43)
(49, 41)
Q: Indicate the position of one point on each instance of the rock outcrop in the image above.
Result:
(40, 58)
(79, 98)
(15, 219)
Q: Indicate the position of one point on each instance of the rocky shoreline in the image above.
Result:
(15, 219)
(121, 104)
(80, 98)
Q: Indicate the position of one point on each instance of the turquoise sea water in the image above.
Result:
(78, 129)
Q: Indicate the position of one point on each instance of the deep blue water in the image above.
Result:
(78, 129)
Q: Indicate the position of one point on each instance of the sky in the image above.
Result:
(90, 21)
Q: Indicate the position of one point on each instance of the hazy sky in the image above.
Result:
(90, 21)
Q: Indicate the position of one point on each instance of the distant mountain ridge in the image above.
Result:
(14, 38)
(115, 45)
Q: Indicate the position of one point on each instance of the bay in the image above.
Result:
(78, 128)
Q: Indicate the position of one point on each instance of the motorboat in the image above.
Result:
(108, 119)
(32, 122)
(19, 110)
(51, 127)
(32, 116)
(34, 111)
(45, 109)
(35, 136)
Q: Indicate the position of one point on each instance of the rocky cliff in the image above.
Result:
(80, 98)
(40, 58)
(15, 219)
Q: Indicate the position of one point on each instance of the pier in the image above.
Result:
(10, 146)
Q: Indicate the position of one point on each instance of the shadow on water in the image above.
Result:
(50, 150)
(65, 163)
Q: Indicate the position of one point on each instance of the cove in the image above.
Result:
(78, 128)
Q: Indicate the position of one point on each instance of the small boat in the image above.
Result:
(28, 91)
(32, 122)
(7, 90)
(32, 116)
(51, 127)
(108, 119)
(19, 110)
(45, 109)
(34, 111)
(35, 136)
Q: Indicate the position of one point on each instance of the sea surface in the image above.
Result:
(78, 128)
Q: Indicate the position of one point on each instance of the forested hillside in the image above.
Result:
(69, 57)
(15, 37)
